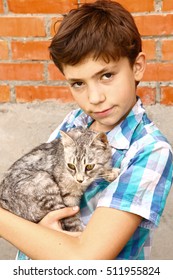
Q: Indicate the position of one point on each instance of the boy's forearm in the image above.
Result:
(97, 241)
(36, 241)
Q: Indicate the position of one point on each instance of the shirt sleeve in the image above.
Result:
(143, 185)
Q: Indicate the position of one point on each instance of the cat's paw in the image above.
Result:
(113, 174)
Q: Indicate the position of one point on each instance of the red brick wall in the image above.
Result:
(26, 27)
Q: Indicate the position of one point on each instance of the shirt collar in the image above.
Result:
(120, 136)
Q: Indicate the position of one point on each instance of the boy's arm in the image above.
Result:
(107, 233)
(104, 237)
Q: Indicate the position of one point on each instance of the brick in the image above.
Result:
(151, 72)
(22, 27)
(19, 71)
(40, 6)
(155, 24)
(4, 94)
(167, 5)
(3, 50)
(31, 93)
(158, 72)
(167, 50)
(132, 6)
(1, 7)
(54, 73)
(147, 95)
(165, 71)
(149, 47)
(166, 95)
(34, 50)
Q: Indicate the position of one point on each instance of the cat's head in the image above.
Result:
(86, 154)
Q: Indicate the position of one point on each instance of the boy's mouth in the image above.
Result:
(104, 113)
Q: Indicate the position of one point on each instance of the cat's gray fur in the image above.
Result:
(43, 180)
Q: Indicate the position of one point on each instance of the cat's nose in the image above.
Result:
(79, 181)
(79, 178)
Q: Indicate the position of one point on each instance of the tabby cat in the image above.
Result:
(55, 175)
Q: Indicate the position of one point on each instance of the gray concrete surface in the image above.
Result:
(23, 126)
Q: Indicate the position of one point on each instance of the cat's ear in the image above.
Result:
(101, 139)
(66, 139)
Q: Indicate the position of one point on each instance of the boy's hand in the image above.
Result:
(53, 219)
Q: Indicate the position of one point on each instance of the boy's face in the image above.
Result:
(105, 91)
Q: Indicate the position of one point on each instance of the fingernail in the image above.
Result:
(75, 208)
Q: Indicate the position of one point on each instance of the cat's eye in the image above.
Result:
(71, 166)
(89, 167)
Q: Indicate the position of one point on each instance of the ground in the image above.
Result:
(23, 126)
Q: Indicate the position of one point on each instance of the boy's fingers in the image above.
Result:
(62, 213)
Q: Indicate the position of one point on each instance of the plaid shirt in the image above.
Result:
(145, 159)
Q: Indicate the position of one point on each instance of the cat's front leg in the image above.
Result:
(112, 174)
(72, 223)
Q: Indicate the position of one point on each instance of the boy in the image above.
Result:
(98, 49)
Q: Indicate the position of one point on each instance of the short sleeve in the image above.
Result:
(143, 185)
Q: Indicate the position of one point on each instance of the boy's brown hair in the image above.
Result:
(101, 29)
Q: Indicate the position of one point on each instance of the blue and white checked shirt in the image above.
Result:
(145, 159)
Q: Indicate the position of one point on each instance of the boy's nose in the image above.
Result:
(95, 95)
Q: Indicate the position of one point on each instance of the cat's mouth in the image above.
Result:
(82, 183)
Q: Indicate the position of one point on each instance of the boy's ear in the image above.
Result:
(139, 67)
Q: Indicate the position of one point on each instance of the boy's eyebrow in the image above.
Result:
(105, 69)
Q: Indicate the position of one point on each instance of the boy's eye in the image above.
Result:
(77, 85)
(89, 167)
(71, 166)
(107, 76)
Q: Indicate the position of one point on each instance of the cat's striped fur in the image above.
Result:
(55, 175)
